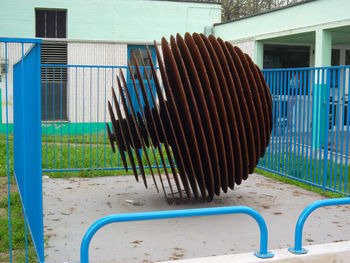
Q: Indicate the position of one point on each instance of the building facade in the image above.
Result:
(103, 33)
(311, 33)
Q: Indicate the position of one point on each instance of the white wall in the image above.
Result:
(247, 47)
(11, 54)
(89, 88)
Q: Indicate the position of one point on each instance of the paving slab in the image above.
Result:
(72, 205)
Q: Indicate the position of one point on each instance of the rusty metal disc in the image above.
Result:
(157, 142)
(233, 166)
(256, 99)
(197, 124)
(121, 152)
(110, 137)
(122, 131)
(169, 133)
(239, 101)
(142, 127)
(182, 105)
(212, 109)
(248, 98)
(261, 92)
(267, 96)
(183, 149)
(128, 123)
(238, 136)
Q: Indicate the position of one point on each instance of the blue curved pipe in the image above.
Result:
(263, 252)
(297, 249)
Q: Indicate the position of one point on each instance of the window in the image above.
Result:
(142, 58)
(347, 57)
(51, 23)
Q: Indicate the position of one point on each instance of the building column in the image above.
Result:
(323, 48)
(323, 55)
(259, 53)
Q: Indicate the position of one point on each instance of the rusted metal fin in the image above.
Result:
(128, 123)
(182, 105)
(240, 166)
(128, 97)
(178, 128)
(122, 131)
(155, 115)
(164, 112)
(146, 126)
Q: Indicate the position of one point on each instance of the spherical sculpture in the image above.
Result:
(209, 114)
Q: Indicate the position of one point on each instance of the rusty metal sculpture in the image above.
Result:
(214, 117)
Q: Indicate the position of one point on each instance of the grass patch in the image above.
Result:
(17, 232)
(329, 173)
(297, 183)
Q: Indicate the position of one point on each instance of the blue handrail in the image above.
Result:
(262, 253)
(20, 40)
(297, 249)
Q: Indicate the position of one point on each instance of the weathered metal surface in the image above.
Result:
(213, 118)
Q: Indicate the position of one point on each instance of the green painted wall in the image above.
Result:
(119, 20)
(306, 17)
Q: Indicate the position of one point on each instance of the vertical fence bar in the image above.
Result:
(343, 76)
(315, 126)
(288, 124)
(279, 94)
(24, 200)
(291, 128)
(311, 123)
(272, 160)
(337, 133)
(83, 117)
(90, 107)
(46, 149)
(295, 121)
(321, 129)
(347, 139)
(283, 120)
(300, 83)
(97, 111)
(76, 118)
(8, 154)
(308, 127)
(105, 118)
(68, 70)
(326, 130)
(332, 132)
(303, 129)
(53, 119)
(61, 100)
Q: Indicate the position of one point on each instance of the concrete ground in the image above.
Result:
(72, 205)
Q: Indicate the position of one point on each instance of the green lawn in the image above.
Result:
(311, 170)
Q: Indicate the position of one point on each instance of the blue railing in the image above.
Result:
(310, 138)
(309, 142)
(297, 249)
(74, 113)
(262, 253)
(21, 59)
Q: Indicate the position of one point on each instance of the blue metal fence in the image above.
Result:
(310, 137)
(74, 113)
(22, 107)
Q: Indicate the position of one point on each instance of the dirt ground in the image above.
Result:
(72, 205)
